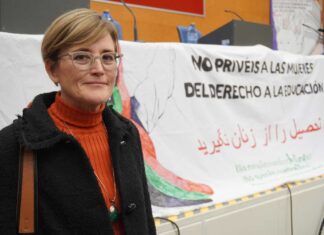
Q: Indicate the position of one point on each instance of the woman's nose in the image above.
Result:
(97, 64)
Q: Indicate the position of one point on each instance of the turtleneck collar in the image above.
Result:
(76, 117)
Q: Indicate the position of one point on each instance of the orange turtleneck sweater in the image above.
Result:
(89, 130)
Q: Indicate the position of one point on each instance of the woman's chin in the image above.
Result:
(96, 101)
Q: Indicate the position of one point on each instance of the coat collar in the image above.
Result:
(36, 130)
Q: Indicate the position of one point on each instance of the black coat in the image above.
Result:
(69, 200)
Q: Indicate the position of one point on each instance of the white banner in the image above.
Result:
(216, 122)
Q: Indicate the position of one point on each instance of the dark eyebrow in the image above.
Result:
(107, 50)
(82, 49)
(87, 50)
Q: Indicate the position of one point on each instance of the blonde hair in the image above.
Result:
(75, 27)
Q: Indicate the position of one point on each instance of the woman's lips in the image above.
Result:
(97, 83)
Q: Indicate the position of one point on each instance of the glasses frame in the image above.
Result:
(117, 57)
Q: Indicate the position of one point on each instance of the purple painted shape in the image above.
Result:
(274, 32)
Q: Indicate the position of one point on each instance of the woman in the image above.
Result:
(90, 170)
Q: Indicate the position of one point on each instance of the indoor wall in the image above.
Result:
(160, 26)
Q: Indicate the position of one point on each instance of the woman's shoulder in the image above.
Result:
(120, 118)
(7, 131)
(8, 140)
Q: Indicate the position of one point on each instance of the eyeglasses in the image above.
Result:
(83, 60)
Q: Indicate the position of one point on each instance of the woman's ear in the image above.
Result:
(50, 67)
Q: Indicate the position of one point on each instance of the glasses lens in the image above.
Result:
(81, 58)
(108, 58)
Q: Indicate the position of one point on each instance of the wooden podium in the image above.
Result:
(240, 33)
